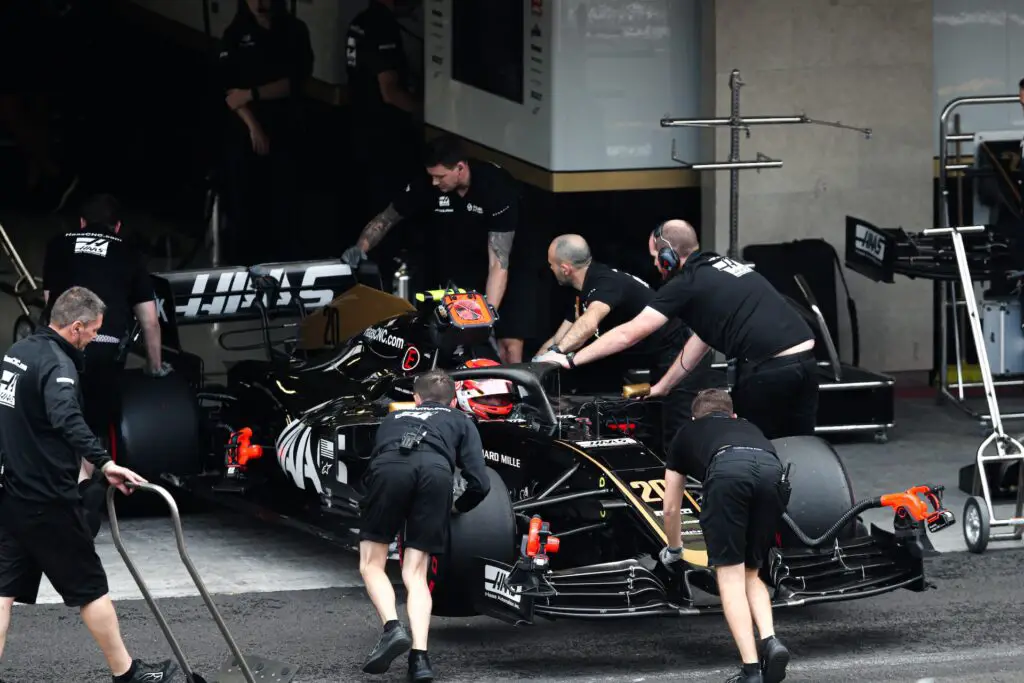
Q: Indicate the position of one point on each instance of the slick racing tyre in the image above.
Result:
(159, 426)
(488, 530)
(23, 327)
(822, 491)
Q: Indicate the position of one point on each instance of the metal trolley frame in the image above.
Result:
(979, 512)
(26, 290)
(238, 668)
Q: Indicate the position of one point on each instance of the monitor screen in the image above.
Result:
(487, 46)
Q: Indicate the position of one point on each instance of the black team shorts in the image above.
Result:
(52, 539)
(743, 506)
(409, 493)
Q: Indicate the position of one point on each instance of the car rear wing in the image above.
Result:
(211, 295)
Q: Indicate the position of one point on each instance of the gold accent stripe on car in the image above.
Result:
(697, 558)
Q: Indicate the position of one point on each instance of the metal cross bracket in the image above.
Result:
(734, 165)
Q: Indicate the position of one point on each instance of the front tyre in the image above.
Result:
(488, 530)
(822, 491)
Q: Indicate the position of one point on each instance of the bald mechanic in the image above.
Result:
(606, 299)
(733, 309)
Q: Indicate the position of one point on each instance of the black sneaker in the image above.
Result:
(741, 677)
(419, 667)
(774, 658)
(152, 673)
(391, 644)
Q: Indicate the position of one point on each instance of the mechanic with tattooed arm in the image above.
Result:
(606, 299)
(475, 207)
(736, 311)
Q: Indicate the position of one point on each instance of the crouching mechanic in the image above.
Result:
(410, 483)
(745, 496)
(43, 529)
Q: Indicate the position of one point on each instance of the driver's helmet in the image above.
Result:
(488, 399)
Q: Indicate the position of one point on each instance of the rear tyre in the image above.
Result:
(23, 327)
(488, 530)
(157, 433)
(822, 491)
(159, 428)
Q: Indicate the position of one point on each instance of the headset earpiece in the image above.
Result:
(668, 259)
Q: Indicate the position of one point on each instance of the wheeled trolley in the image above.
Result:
(26, 290)
(238, 668)
(979, 512)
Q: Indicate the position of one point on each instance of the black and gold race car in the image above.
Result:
(571, 527)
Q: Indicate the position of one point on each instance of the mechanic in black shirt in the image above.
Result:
(42, 522)
(744, 499)
(475, 207)
(264, 62)
(608, 298)
(384, 139)
(410, 486)
(734, 310)
(97, 258)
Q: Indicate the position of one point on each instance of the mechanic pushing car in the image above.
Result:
(736, 311)
(409, 486)
(97, 258)
(42, 522)
(606, 299)
(475, 206)
(745, 495)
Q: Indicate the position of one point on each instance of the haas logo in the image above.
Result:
(870, 243)
(8, 388)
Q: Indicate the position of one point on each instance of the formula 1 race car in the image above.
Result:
(292, 434)
(343, 338)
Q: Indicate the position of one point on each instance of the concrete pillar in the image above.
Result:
(863, 62)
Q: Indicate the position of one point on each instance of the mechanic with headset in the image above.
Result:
(409, 488)
(736, 311)
(745, 494)
(475, 206)
(97, 258)
(606, 299)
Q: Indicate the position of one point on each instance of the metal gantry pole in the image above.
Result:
(734, 165)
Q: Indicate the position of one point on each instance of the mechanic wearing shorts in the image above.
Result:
(606, 299)
(736, 311)
(475, 207)
(97, 258)
(42, 522)
(409, 486)
(744, 499)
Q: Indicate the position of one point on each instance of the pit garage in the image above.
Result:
(908, 274)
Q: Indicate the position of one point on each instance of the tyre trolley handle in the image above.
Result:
(238, 668)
